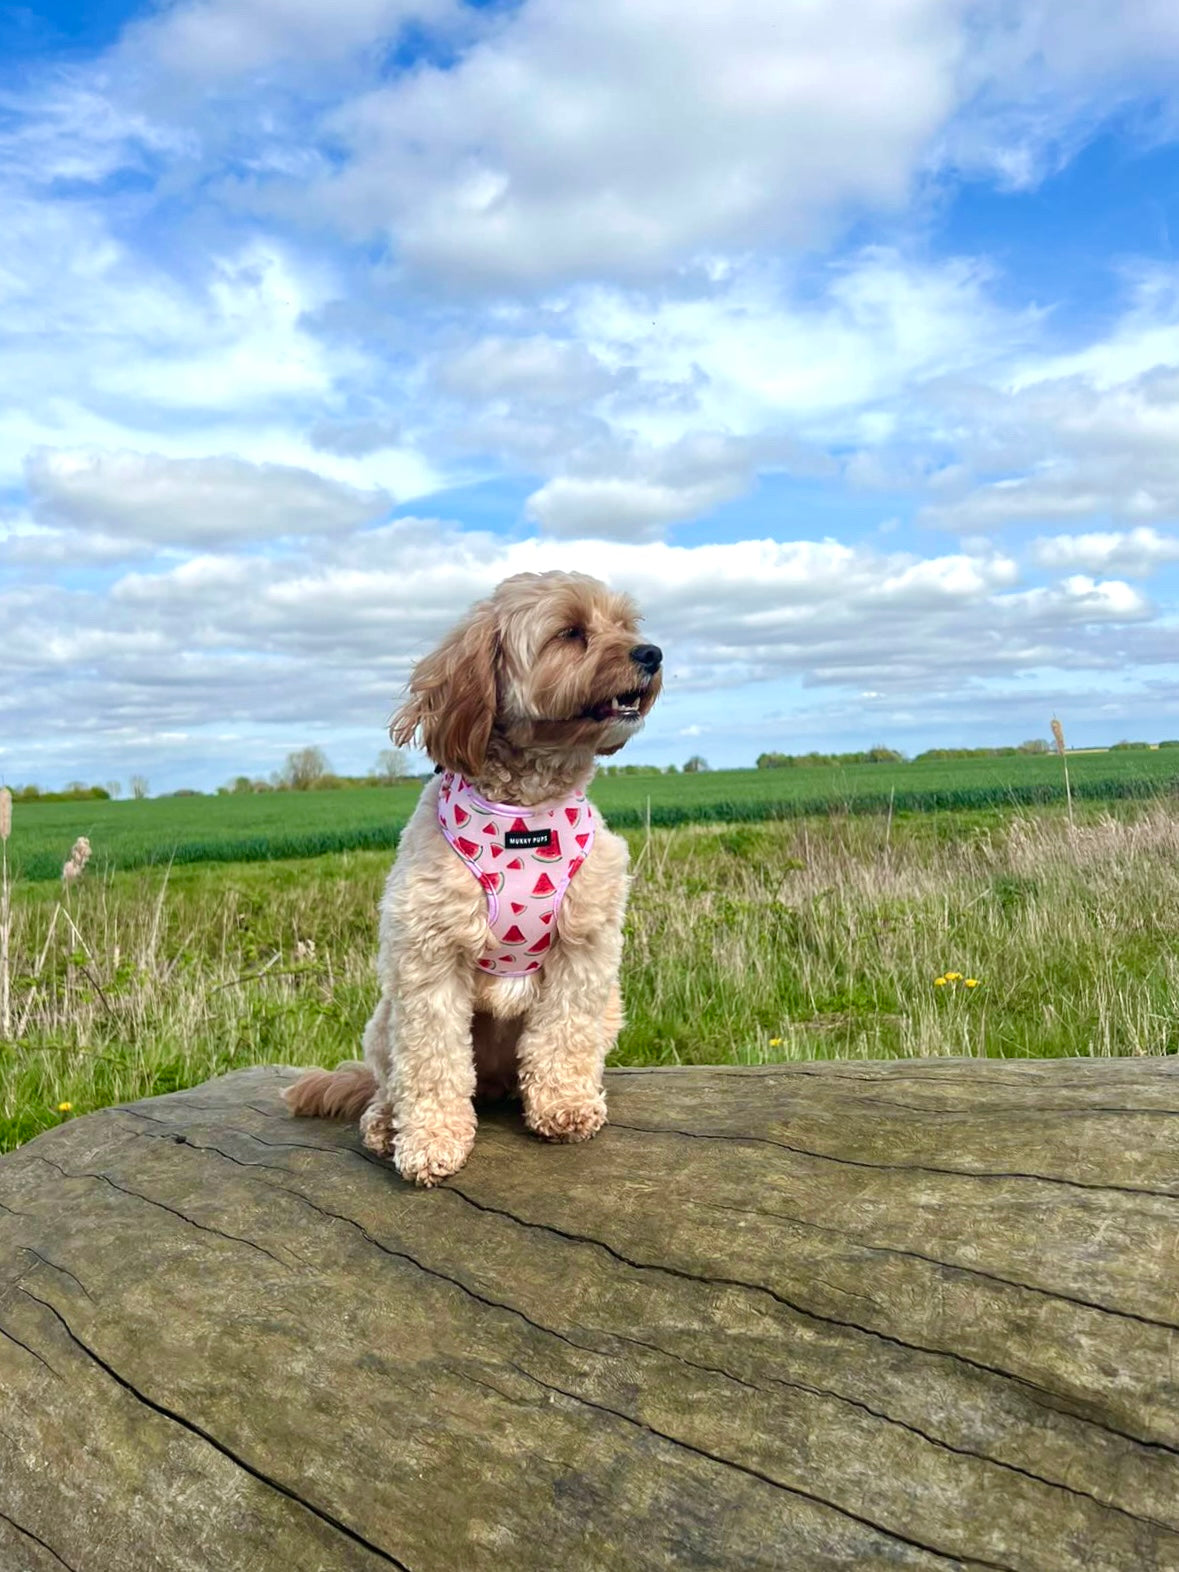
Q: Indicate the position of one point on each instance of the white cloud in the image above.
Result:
(533, 370)
(765, 345)
(1072, 450)
(1039, 78)
(318, 641)
(224, 40)
(192, 501)
(1136, 552)
(571, 142)
(621, 509)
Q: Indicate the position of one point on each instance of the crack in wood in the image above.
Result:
(903, 1168)
(211, 1440)
(948, 1266)
(1024, 1382)
(12, 1338)
(37, 1540)
(205, 1228)
(768, 1479)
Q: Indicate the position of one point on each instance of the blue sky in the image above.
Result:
(847, 338)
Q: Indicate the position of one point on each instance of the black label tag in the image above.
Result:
(528, 840)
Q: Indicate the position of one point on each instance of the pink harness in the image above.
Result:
(524, 858)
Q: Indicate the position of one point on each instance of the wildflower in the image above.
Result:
(971, 982)
(305, 949)
(775, 1042)
(939, 982)
(79, 857)
(953, 976)
(64, 1107)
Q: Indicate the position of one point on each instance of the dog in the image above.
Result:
(501, 921)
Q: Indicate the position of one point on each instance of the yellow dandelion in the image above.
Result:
(971, 982)
(953, 976)
(939, 982)
(775, 1042)
(64, 1107)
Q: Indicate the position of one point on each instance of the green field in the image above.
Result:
(278, 825)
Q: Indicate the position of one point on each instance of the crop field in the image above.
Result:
(997, 931)
(277, 825)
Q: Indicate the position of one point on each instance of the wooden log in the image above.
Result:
(878, 1315)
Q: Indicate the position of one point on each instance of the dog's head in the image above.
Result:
(549, 660)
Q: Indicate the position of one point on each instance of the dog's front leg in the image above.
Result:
(429, 1092)
(573, 1024)
(418, 1042)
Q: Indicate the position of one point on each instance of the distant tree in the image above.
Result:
(672, 769)
(139, 787)
(240, 785)
(1169, 742)
(392, 764)
(1125, 745)
(303, 769)
(695, 765)
(1034, 745)
(115, 788)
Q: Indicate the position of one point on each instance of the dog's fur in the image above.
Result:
(505, 700)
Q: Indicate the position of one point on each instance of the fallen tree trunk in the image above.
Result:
(916, 1315)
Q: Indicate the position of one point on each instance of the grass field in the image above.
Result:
(746, 942)
(278, 825)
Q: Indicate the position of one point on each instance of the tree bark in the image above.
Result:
(879, 1315)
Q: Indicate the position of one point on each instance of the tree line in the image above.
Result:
(883, 755)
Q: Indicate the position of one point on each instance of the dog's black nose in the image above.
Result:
(648, 656)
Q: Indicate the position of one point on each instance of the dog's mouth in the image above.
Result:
(620, 706)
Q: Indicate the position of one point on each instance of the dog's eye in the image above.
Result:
(572, 633)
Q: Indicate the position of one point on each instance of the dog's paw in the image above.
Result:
(425, 1158)
(567, 1119)
(376, 1128)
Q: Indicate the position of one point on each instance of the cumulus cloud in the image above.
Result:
(319, 641)
(1071, 448)
(1136, 552)
(568, 142)
(534, 370)
(622, 509)
(192, 501)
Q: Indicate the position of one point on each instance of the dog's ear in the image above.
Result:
(451, 703)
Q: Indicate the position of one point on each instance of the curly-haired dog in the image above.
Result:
(501, 923)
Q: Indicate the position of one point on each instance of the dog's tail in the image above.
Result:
(342, 1093)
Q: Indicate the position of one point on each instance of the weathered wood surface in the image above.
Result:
(915, 1315)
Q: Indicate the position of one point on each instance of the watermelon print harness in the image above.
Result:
(524, 859)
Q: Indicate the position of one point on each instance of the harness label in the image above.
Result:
(528, 840)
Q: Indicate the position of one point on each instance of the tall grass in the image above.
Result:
(745, 943)
(824, 940)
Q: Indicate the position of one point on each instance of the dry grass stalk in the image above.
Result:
(1058, 738)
